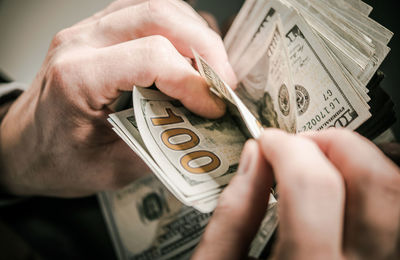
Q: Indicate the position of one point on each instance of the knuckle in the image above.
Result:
(162, 43)
(294, 145)
(210, 39)
(61, 37)
(161, 48)
(215, 37)
(317, 184)
(104, 25)
(311, 172)
(158, 10)
(328, 183)
(61, 70)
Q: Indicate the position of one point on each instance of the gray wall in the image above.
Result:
(27, 27)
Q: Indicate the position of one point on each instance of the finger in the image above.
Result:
(120, 4)
(311, 196)
(163, 18)
(143, 62)
(211, 21)
(240, 209)
(373, 193)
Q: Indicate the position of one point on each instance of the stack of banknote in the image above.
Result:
(302, 65)
(333, 48)
(147, 222)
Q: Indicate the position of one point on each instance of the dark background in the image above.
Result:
(386, 13)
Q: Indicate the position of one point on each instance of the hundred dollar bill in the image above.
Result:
(124, 124)
(245, 33)
(361, 51)
(267, 86)
(264, 234)
(360, 6)
(325, 98)
(359, 19)
(146, 221)
(197, 154)
(221, 89)
(115, 204)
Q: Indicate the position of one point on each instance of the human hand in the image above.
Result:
(55, 139)
(338, 199)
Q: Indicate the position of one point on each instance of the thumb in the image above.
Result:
(240, 210)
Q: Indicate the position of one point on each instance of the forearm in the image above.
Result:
(19, 150)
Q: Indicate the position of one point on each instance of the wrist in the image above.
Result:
(8, 141)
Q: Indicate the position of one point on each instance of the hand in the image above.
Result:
(338, 198)
(55, 139)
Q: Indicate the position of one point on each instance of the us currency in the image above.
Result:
(360, 6)
(125, 125)
(361, 50)
(325, 98)
(248, 121)
(198, 154)
(146, 221)
(207, 136)
(360, 19)
(244, 33)
(356, 84)
(329, 99)
(267, 86)
(264, 234)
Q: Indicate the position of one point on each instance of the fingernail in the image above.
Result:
(247, 158)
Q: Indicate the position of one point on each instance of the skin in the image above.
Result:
(55, 139)
(338, 199)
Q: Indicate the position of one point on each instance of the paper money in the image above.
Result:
(331, 101)
(125, 126)
(146, 221)
(267, 86)
(221, 89)
(325, 98)
(302, 65)
(359, 41)
(198, 154)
